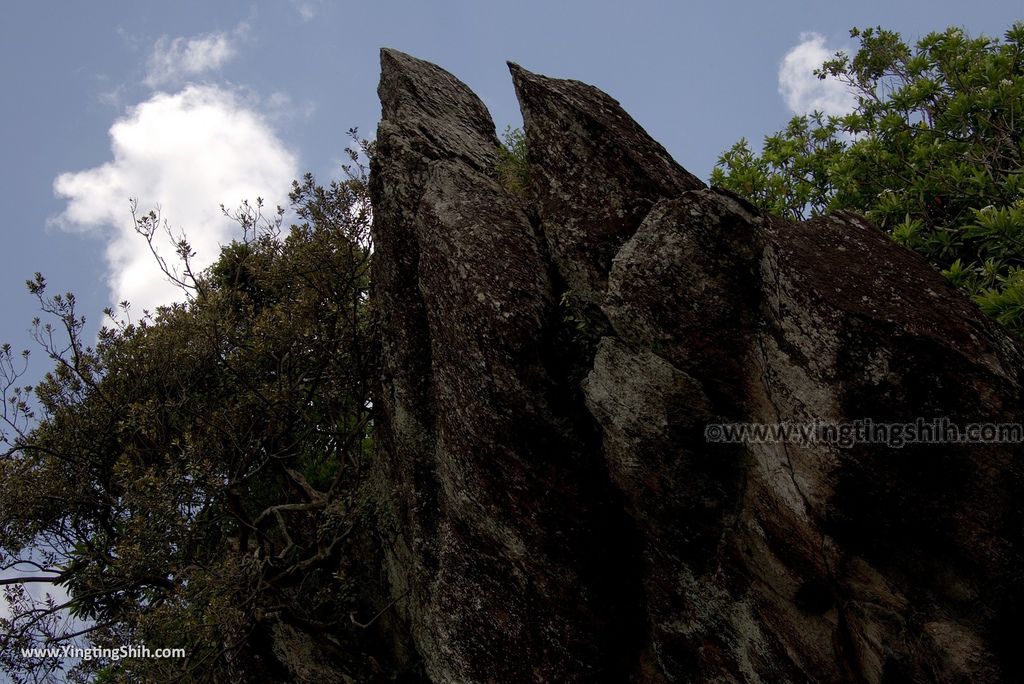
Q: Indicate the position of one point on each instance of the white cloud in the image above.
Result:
(187, 153)
(280, 106)
(306, 8)
(174, 61)
(113, 97)
(802, 90)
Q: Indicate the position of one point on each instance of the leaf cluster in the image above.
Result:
(933, 153)
(513, 168)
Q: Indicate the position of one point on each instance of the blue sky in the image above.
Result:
(188, 105)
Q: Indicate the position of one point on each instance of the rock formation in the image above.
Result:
(555, 364)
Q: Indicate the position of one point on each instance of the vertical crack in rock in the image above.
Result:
(553, 509)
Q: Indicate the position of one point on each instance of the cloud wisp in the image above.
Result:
(306, 8)
(804, 92)
(186, 153)
(173, 61)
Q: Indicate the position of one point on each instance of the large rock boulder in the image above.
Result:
(499, 510)
(562, 373)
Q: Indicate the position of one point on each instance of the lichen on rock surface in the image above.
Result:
(556, 511)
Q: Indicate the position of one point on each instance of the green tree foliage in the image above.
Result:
(196, 478)
(933, 153)
(513, 170)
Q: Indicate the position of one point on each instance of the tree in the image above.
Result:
(196, 479)
(933, 153)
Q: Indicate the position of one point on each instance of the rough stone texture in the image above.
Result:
(497, 492)
(596, 174)
(554, 509)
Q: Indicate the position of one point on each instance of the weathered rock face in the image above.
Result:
(555, 510)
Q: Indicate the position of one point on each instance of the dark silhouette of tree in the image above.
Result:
(196, 478)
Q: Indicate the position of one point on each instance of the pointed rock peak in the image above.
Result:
(435, 111)
(548, 104)
(595, 173)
